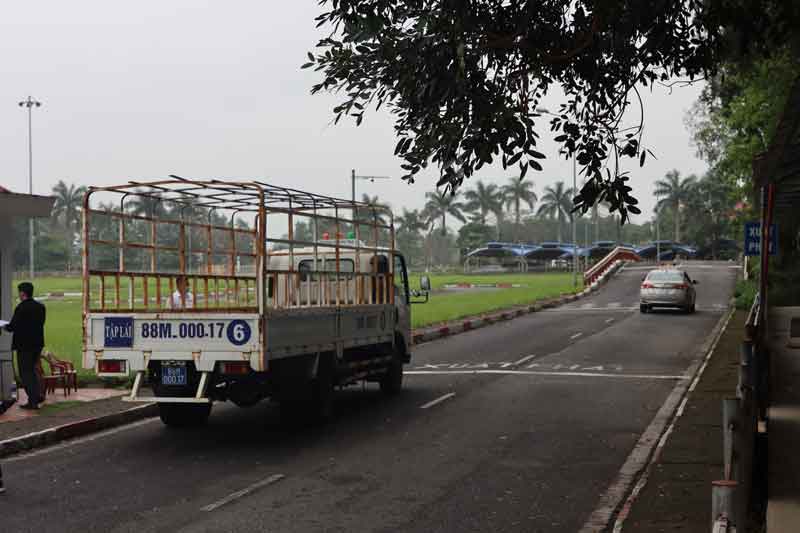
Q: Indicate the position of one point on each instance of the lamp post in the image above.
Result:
(353, 178)
(545, 111)
(30, 103)
(658, 233)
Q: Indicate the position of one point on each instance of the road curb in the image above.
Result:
(618, 497)
(72, 430)
(423, 335)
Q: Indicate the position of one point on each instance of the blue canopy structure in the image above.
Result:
(551, 250)
(514, 253)
(502, 249)
(669, 250)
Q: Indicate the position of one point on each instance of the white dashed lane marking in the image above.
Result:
(438, 400)
(242, 493)
(524, 359)
(572, 338)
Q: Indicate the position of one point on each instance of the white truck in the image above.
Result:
(212, 290)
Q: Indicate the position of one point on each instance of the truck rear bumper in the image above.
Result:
(151, 399)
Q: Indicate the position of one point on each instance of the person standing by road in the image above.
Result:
(27, 325)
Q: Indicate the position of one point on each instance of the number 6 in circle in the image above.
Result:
(238, 332)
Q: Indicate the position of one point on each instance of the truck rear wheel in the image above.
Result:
(392, 382)
(183, 415)
(322, 393)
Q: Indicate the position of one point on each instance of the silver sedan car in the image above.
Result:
(667, 287)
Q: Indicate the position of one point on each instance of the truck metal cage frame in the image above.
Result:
(235, 244)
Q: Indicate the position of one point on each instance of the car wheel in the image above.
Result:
(642, 308)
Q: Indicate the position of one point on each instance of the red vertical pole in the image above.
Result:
(767, 199)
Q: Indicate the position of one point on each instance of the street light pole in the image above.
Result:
(545, 111)
(30, 103)
(574, 231)
(658, 233)
(353, 178)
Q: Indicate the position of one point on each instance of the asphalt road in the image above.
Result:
(520, 426)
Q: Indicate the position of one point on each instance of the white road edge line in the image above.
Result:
(524, 359)
(242, 493)
(539, 373)
(644, 453)
(438, 400)
(609, 320)
(576, 336)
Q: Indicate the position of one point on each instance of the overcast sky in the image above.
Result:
(137, 90)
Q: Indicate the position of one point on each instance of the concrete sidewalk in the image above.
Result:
(62, 417)
(677, 495)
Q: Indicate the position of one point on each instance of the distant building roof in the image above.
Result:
(24, 205)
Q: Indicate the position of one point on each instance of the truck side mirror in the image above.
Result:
(425, 284)
(424, 290)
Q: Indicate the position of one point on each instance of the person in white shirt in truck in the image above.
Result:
(181, 298)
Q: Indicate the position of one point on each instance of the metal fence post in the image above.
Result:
(731, 424)
(723, 503)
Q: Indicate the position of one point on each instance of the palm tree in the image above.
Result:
(410, 222)
(67, 213)
(439, 206)
(674, 192)
(515, 193)
(556, 203)
(376, 215)
(67, 207)
(147, 206)
(484, 199)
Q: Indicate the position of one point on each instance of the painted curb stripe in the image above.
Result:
(76, 429)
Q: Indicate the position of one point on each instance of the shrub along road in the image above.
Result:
(519, 426)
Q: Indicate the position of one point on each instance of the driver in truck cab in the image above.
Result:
(181, 298)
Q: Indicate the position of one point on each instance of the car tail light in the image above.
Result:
(681, 286)
(647, 285)
(111, 366)
(235, 368)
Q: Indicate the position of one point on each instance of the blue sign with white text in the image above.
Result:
(752, 239)
(118, 332)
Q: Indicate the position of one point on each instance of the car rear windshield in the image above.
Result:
(665, 277)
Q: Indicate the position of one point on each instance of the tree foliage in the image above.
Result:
(463, 78)
(484, 199)
(439, 205)
(737, 113)
(675, 192)
(555, 203)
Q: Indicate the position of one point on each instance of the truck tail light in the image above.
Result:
(238, 368)
(111, 366)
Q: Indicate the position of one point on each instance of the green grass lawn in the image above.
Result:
(443, 307)
(63, 329)
(50, 284)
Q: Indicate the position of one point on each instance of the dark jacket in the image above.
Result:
(27, 324)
